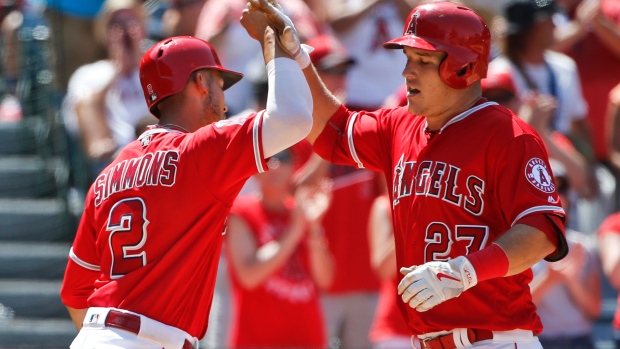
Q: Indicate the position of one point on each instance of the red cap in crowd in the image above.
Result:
(328, 52)
(499, 80)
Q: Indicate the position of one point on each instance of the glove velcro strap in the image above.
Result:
(467, 271)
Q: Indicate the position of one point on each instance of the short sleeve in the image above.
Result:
(355, 139)
(523, 181)
(83, 266)
(228, 152)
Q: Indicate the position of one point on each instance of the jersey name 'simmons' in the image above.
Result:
(437, 179)
(152, 169)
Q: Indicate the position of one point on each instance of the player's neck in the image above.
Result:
(466, 102)
(176, 124)
(173, 127)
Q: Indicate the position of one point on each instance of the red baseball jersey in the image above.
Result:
(454, 192)
(346, 220)
(150, 236)
(284, 310)
(611, 225)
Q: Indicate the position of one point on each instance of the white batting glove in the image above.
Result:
(288, 34)
(433, 283)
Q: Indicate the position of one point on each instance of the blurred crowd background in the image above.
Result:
(70, 98)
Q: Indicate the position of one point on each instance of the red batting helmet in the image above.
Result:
(454, 29)
(166, 67)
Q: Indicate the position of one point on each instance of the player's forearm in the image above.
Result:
(288, 117)
(77, 316)
(325, 104)
(524, 246)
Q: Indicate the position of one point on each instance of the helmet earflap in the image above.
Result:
(458, 75)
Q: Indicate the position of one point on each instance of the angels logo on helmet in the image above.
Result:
(413, 23)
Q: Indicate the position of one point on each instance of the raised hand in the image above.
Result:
(284, 27)
(254, 22)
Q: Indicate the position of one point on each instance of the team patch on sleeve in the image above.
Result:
(538, 175)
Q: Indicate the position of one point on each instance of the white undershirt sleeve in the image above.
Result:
(288, 116)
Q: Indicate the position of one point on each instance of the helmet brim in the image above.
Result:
(428, 45)
(410, 41)
(230, 78)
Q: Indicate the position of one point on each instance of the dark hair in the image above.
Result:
(513, 46)
(522, 14)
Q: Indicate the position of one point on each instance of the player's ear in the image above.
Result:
(200, 81)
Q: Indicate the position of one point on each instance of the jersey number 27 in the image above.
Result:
(439, 240)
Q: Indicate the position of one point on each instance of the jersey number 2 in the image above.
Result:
(127, 226)
(439, 240)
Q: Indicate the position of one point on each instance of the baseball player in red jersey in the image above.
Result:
(142, 268)
(474, 203)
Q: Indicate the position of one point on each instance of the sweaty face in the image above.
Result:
(427, 94)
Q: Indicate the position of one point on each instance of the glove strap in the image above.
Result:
(467, 271)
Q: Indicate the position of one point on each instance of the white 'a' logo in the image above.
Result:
(413, 23)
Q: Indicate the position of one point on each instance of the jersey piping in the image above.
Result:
(351, 143)
(256, 139)
(538, 209)
(465, 114)
(81, 263)
(156, 131)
